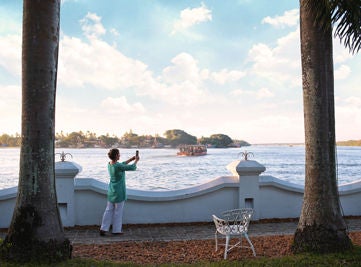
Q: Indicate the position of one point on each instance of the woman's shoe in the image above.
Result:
(118, 233)
(101, 232)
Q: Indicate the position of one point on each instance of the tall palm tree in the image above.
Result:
(321, 227)
(36, 232)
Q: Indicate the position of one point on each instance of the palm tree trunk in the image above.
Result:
(321, 227)
(36, 232)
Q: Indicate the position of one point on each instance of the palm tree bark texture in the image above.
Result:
(321, 226)
(36, 232)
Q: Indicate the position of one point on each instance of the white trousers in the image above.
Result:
(113, 215)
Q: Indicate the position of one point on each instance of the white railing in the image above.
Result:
(82, 200)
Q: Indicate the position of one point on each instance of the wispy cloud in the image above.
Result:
(288, 19)
(191, 16)
(10, 54)
(92, 26)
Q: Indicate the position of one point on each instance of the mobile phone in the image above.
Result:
(137, 153)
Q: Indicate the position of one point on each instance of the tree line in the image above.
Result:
(88, 139)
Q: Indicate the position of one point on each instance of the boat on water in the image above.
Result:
(192, 150)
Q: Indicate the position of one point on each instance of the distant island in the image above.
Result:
(172, 138)
(349, 143)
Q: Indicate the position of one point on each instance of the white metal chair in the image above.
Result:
(234, 223)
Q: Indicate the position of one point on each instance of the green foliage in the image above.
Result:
(74, 139)
(217, 140)
(10, 140)
(108, 140)
(172, 138)
(349, 143)
(344, 16)
(221, 140)
(178, 137)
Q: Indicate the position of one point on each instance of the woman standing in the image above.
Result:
(117, 195)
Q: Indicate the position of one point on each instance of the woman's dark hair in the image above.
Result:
(113, 153)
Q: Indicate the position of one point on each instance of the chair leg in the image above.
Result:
(226, 248)
(250, 243)
(216, 239)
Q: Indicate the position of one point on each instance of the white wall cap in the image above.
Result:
(268, 180)
(246, 168)
(141, 195)
(67, 169)
(90, 184)
(8, 193)
(350, 188)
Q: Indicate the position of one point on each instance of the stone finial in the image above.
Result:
(63, 155)
(245, 155)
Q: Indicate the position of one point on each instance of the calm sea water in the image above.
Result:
(161, 169)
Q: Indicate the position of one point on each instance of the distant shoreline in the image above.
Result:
(340, 143)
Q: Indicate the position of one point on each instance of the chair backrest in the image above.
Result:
(233, 221)
(221, 225)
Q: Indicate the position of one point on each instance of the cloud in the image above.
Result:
(288, 19)
(92, 26)
(190, 17)
(238, 92)
(10, 108)
(340, 53)
(353, 101)
(184, 68)
(342, 72)
(260, 93)
(120, 105)
(10, 54)
(348, 118)
(264, 93)
(226, 75)
(114, 32)
(281, 64)
(98, 64)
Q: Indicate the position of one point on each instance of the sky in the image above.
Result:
(206, 67)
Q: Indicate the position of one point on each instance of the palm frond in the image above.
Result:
(346, 16)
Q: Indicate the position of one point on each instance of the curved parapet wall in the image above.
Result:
(193, 204)
(82, 201)
(279, 199)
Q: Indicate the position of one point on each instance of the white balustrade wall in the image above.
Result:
(82, 200)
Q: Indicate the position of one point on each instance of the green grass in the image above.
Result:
(352, 258)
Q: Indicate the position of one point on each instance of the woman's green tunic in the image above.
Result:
(117, 188)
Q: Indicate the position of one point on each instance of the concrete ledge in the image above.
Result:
(173, 195)
(8, 193)
(350, 188)
(281, 184)
(82, 200)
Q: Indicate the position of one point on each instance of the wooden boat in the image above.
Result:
(192, 150)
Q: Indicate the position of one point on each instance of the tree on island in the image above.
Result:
(178, 137)
(321, 226)
(216, 140)
(36, 232)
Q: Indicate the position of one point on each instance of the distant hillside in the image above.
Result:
(349, 143)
